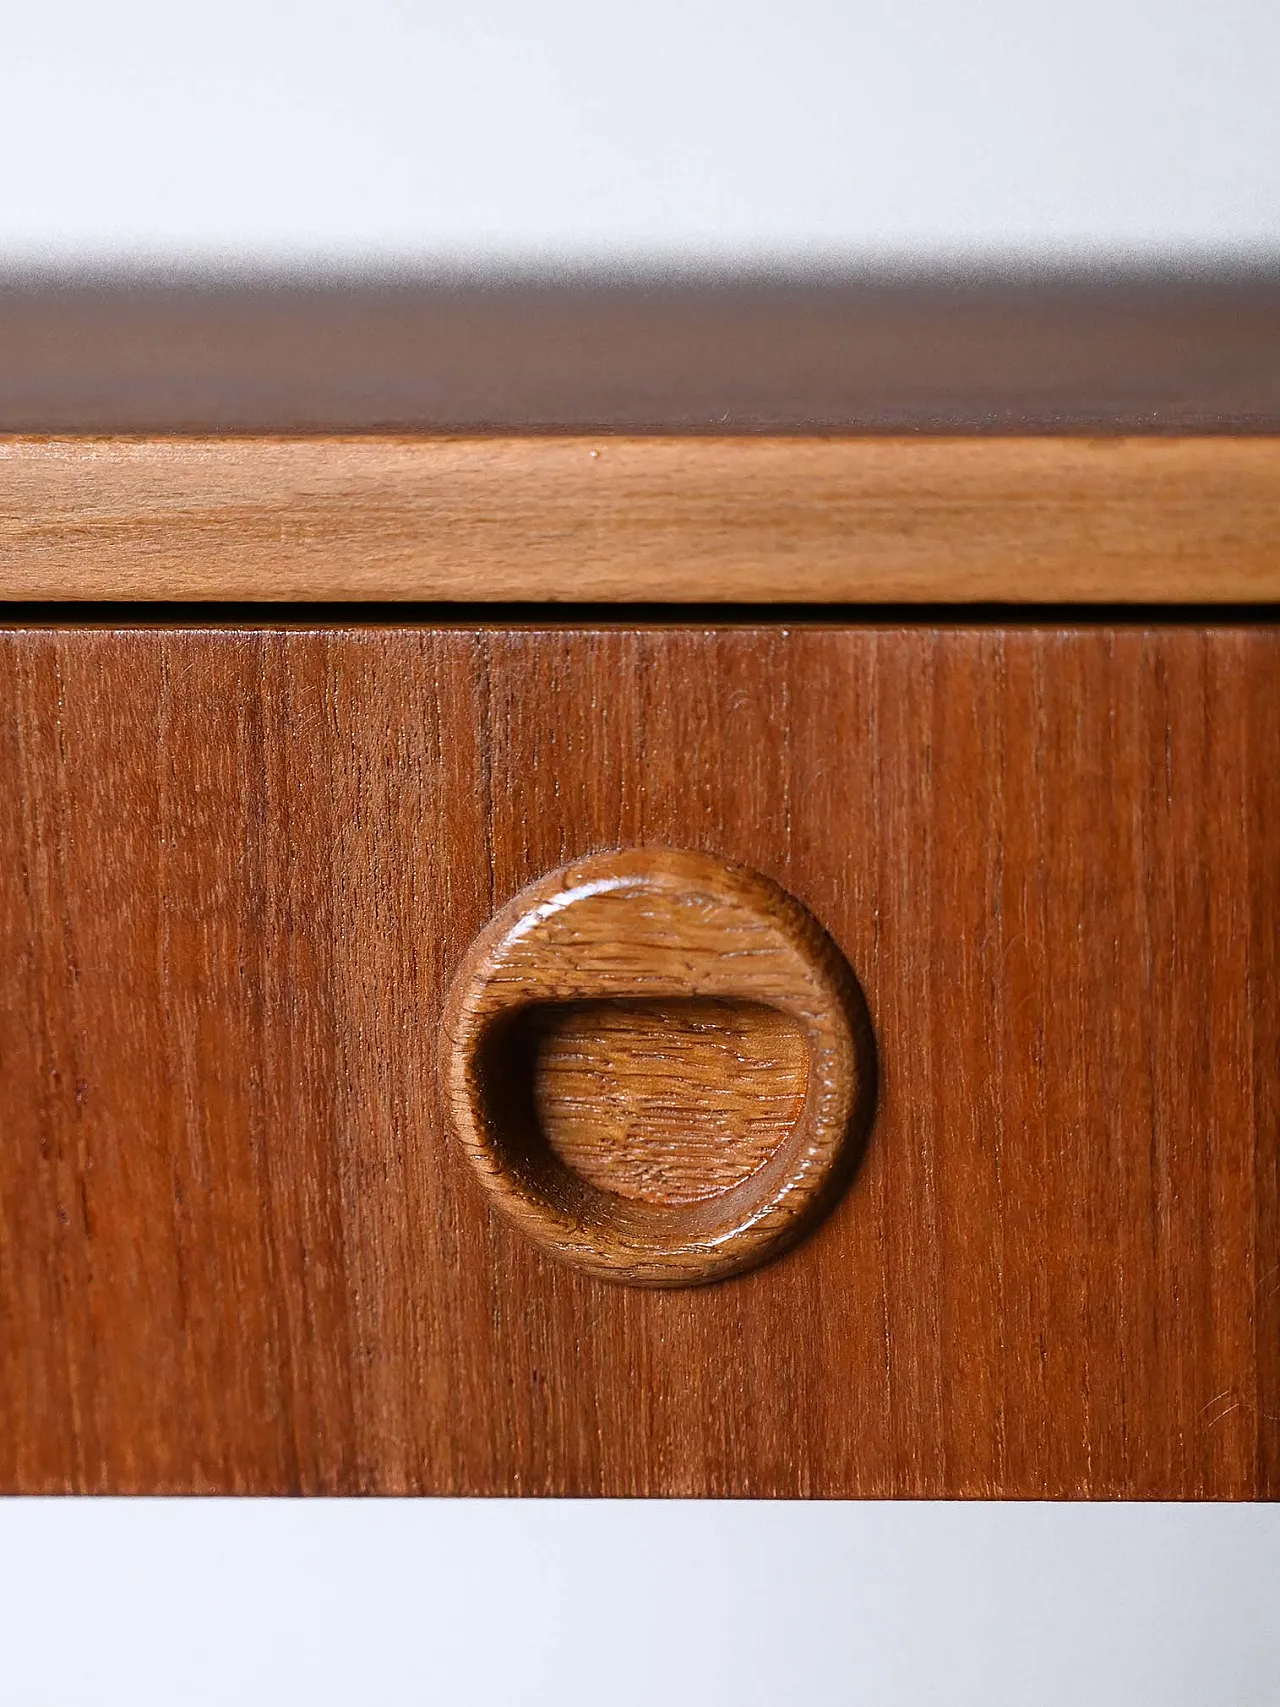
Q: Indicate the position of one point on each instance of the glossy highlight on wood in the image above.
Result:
(644, 926)
(239, 1251)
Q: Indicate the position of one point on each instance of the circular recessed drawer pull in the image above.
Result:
(659, 1066)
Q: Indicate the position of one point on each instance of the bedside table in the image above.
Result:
(641, 892)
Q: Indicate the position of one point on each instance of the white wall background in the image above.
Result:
(538, 1604)
(728, 129)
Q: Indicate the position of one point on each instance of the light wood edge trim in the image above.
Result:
(622, 924)
(641, 519)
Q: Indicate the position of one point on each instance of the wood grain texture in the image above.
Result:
(1116, 350)
(237, 871)
(675, 520)
(668, 1102)
(656, 924)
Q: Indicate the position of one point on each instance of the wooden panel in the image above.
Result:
(1111, 350)
(674, 520)
(237, 869)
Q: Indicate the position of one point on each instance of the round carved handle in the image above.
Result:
(659, 1066)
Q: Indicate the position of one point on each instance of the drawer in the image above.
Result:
(242, 1251)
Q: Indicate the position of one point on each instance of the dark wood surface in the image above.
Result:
(1125, 351)
(237, 869)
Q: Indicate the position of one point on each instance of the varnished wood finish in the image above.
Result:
(646, 925)
(1107, 351)
(239, 1252)
(669, 1102)
(677, 520)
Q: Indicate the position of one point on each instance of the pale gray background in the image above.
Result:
(287, 131)
(686, 128)
(640, 1604)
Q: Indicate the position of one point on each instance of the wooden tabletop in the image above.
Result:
(941, 353)
(680, 440)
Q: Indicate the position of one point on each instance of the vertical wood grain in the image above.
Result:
(237, 868)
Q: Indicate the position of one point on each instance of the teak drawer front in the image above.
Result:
(239, 867)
